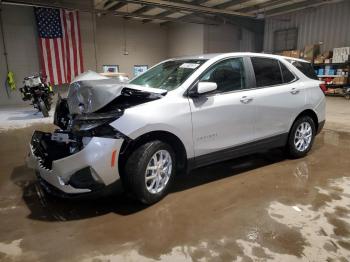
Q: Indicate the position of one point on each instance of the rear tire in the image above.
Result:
(301, 137)
(43, 108)
(150, 165)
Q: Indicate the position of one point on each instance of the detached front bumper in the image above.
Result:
(91, 169)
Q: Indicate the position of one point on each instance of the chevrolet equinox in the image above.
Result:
(181, 114)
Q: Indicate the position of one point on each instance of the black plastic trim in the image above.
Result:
(238, 151)
(320, 126)
(84, 179)
(94, 194)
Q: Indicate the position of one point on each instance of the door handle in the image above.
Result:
(246, 100)
(294, 91)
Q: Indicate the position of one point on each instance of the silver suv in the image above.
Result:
(179, 115)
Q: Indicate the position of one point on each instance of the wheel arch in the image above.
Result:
(129, 145)
(307, 112)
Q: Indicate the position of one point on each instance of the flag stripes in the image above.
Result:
(59, 44)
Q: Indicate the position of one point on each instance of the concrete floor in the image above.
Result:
(258, 208)
(338, 114)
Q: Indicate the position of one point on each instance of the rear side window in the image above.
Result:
(286, 74)
(305, 68)
(267, 71)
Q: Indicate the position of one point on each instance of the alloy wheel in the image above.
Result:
(303, 136)
(158, 171)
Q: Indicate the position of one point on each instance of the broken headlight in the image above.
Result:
(86, 125)
(87, 122)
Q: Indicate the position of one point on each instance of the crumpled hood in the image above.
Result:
(90, 92)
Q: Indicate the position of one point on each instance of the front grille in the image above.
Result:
(39, 149)
(47, 150)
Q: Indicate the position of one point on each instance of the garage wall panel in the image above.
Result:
(21, 43)
(22, 48)
(87, 40)
(185, 39)
(327, 23)
(146, 44)
(193, 39)
(248, 41)
(3, 96)
(228, 38)
(221, 39)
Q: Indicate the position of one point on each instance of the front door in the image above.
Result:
(223, 119)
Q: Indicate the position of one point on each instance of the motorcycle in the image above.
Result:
(40, 93)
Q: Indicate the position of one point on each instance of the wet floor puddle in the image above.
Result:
(257, 208)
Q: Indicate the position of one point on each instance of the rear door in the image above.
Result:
(279, 95)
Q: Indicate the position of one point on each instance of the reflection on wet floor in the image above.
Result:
(260, 207)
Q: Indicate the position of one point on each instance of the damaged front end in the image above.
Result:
(82, 155)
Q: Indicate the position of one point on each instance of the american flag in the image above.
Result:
(61, 55)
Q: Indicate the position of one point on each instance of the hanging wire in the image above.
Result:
(93, 16)
(124, 31)
(5, 50)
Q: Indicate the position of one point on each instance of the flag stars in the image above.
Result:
(48, 22)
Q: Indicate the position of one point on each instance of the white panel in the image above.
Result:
(211, 3)
(154, 11)
(177, 15)
(129, 8)
(275, 6)
(246, 4)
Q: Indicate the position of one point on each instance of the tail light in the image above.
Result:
(323, 87)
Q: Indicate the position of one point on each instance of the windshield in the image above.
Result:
(168, 75)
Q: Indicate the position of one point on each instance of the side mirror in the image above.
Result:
(206, 87)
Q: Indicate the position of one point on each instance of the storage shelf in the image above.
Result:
(337, 85)
(332, 64)
(323, 76)
(332, 94)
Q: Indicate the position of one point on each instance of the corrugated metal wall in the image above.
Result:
(228, 38)
(329, 24)
(247, 43)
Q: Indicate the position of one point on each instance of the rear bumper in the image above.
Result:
(320, 126)
(89, 170)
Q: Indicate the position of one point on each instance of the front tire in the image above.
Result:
(301, 137)
(149, 171)
(43, 108)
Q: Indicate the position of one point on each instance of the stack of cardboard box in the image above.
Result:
(340, 80)
(310, 52)
(292, 53)
(324, 58)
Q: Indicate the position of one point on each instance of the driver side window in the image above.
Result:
(228, 75)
